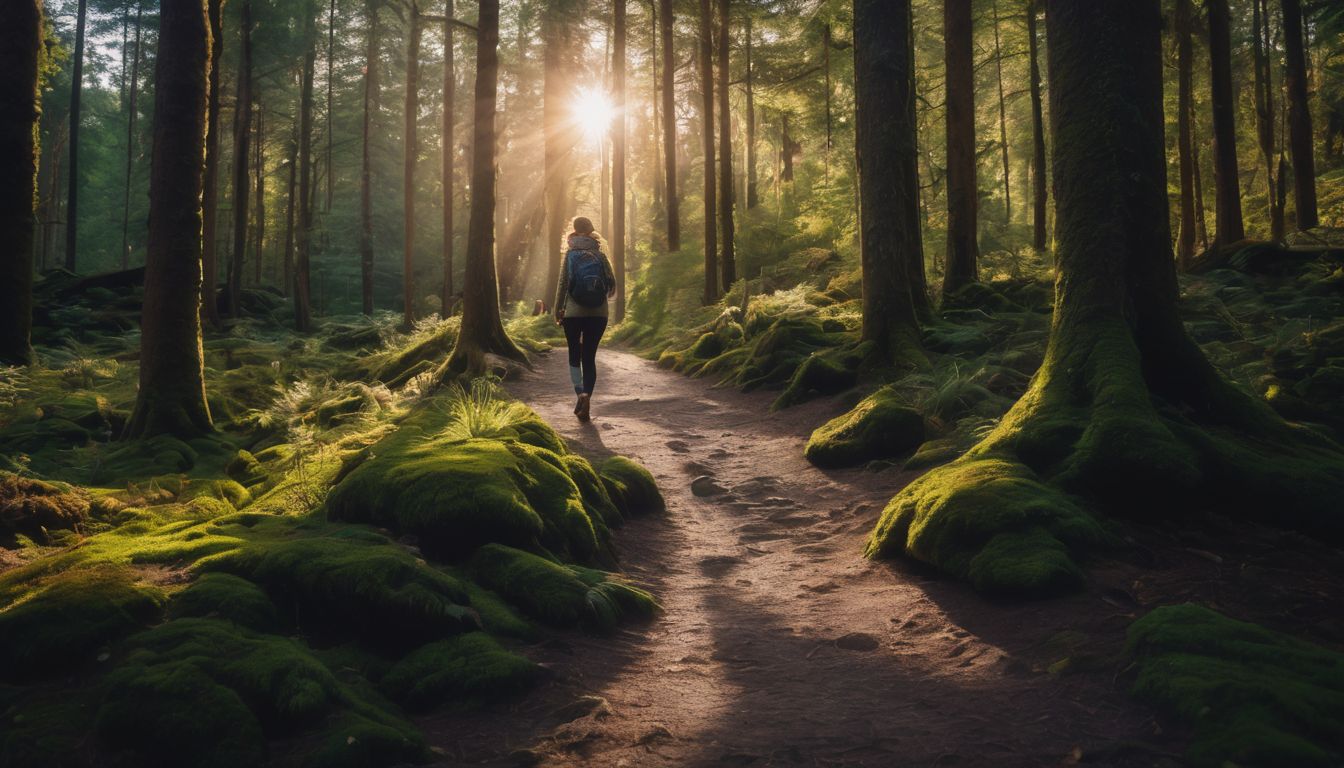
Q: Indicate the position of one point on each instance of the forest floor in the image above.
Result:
(780, 644)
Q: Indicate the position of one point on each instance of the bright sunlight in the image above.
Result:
(593, 112)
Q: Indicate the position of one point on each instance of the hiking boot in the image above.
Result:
(578, 403)
(581, 410)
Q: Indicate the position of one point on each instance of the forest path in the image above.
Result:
(780, 644)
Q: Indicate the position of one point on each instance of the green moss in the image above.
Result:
(225, 490)
(228, 597)
(820, 374)
(880, 426)
(563, 596)
(455, 495)
(932, 453)
(990, 521)
(631, 487)
(31, 507)
(63, 620)
(1252, 695)
(245, 468)
(461, 670)
(596, 499)
(204, 692)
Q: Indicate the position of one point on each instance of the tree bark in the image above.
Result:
(1263, 87)
(1299, 117)
(1003, 122)
(618, 196)
(958, 55)
(171, 398)
(558, 135)
(331, 81)
(706, 42)
(1225, 173)
(673, 202)
(76, 91)
(303, 320)
(260, 213)
(134, 97)
(1185, 243)
(482, 331)
(242, 127)
(210, 193)
(447, 173)
(753, 197)
(291, 204)
(888, 177)
(20, 112)
(727, 255)
(366, 161)
(1039, 194)
(411, 150)
(1123, 391)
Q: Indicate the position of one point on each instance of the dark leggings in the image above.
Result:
(583, 334)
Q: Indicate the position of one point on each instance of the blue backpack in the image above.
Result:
(587, 278)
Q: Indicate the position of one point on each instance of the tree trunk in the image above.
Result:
(411, 149)
(242, 127)
(303, 321)
(673, 203)
(753, 197)
(171, 398)
(366, 161)
(1263, 87)
(727, 257)
(1299, 116)
(331, 81)
(958, 51)
(482, 331)
(787, 149)
(618, 65)
(210, 192)
(1123, 391)
(1039, 195)
(133, 110)
(76, 90)
(291, 205)
(21, 36)
(826, 90)
(558, 135)
(706, 40)
(1003, 122)
(447, 182)
(888, 177)
(1185, 244)
(1201, 224)
(260, 213)
(1225, 174)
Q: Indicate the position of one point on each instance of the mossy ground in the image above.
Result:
(190, 603)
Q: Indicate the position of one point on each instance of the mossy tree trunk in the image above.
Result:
(665, 28)
(366, 159)
(959, 57)
(727, 257)
(1125, 415)
(259, 214)
(303, 316)
(1225, 175)
(20, 110)
(482, 331)
(1299, 116)
(242, 139)
(1039, 193)
(1263, 88)
(210, 191)
(706, 64)
(171, 399)
(886, 144)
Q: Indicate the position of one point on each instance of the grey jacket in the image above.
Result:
(562, 297)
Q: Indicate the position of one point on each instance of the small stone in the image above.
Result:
(706, 485)
(858, 641)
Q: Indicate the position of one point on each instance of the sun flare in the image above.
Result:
(593, 113)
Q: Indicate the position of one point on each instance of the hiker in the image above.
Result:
(586, 282)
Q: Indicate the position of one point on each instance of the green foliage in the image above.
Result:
(880, 426)
(463, 669)
(1253, 696)
(559, 595)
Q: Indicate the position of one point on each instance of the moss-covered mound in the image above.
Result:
(880, 426)
(990, 522)
(1252, 695)
(464, 670)
(205, 692)
(559, 595)
(32, 508)
(631, 487)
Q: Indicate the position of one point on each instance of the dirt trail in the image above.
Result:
(780, 644)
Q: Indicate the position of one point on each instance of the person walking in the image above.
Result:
(586, 284)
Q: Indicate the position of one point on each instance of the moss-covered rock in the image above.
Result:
(204, 692)
(63, 620)
(1252, 695)
(596, 499)
(461, 670)
(246, 469)
(993, 523)
(880, 426)
(228, 597)
(226, 490)
(31, 507)
(631, 487)
(559, 595)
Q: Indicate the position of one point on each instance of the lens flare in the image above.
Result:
(593, 113)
